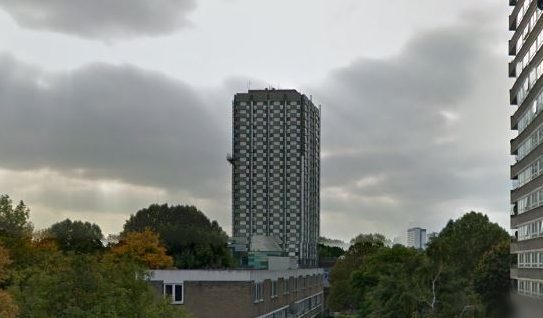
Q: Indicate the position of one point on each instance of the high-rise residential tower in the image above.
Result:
(276, 170)
(526, 67)
(416, 238)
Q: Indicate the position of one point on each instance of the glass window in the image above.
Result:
(168, 290)
(174, 293)
(274, 288)
(258, 292)
(178, 294)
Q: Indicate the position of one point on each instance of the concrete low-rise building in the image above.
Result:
(243, 293)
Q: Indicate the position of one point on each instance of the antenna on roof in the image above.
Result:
(248, 85)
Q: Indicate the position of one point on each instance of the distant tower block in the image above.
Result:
(416, 238)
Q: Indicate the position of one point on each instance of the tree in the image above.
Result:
(8, 308)
(492, 279)
(14, 222)
(372, 237)
(326, 251)
(396, 282)
(15, 229)
(5, 261)
(463, 273)
(145, 248)
(189, 236)
(461, 246)
(68, 285)
(463, 242)
(342, 294)
(77, 236)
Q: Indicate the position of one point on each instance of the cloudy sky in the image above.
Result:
(108, 106)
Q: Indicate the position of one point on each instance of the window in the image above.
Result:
(530, 230)
(292, 284)
(258, 292)
(174, 292)
(273, 288)
(530, 260)
(285, 286)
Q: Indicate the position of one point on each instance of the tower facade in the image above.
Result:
(276, 170)
(416, 238)
(526, 94)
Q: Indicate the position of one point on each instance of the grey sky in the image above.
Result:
(101, 19)
(99, 120)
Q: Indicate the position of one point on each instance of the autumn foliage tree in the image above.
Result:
(63, 272)
(145, 248)
(8, 308)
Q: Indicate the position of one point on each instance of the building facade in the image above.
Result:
(416, 238)
(294, 293)
(276, 170)
(526, 94)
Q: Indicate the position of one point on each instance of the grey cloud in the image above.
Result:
(111, 122)
(101, 19)
(417, 137)
(428, 125)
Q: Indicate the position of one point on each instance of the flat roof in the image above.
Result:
(234, 275)
(260, 95)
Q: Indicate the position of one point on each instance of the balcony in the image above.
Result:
(512, 22)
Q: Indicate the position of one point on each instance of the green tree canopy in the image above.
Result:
(371, 238)
(342, 294)
(492, 279)
(14, 221)
(326, 251)
(77, 236)
(463, 242)
(463, 273)
(88, 286)
(189, 236)
(15, 229)
(396, 282)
